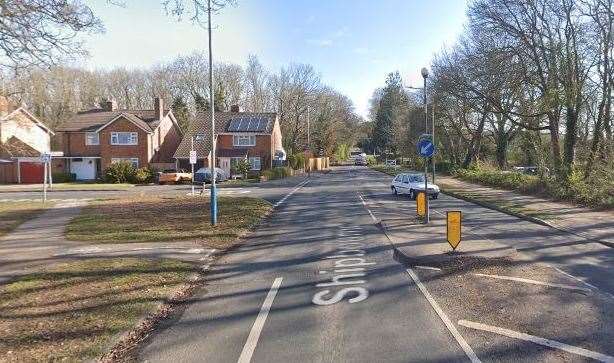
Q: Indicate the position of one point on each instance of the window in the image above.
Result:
(398, 178)
(134, 161)
(405, 179)
(244, 140)
(124, 138)
(199, 136)
(92, 138)
(255, 163)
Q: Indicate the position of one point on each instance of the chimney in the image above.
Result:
(4, 105)
(159, 107)
(110, 105)
(235, 108)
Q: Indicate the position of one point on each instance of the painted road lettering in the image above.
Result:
(348, 270)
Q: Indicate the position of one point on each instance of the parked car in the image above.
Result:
(391, 162)
(361, 159)
(203, 175)
(174, 176)
(412, 184)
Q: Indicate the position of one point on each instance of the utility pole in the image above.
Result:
(433, 157)
(425, 74)
(308, 130)
(213, 198)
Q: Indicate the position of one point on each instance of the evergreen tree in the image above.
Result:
(390, 113)
(180, 110)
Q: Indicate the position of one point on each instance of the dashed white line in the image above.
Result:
(447, 322)
(534, 282)
(537, 340)
(367, 208)
(254, 334)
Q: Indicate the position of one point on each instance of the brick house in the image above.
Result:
(92, 140)
(239, 135)
(23, 138)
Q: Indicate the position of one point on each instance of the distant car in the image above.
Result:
(360, 159)
(412, 184)
(174, 177)
(203, 175)
(530, 170)
(390, 162)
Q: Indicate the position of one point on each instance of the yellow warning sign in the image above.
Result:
(453, 226)
(421, 205)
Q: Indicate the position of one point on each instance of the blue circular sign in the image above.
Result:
(426, 148)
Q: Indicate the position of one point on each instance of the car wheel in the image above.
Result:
(435, 196)
(412, 194)
(394, 191)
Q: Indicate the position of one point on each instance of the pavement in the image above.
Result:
(584, 222)
(342, 271)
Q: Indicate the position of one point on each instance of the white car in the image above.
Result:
(412, 184)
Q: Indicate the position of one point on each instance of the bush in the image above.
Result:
(144, 175)
(277, 173)
(63, 177)
(371, 160)
(296, 161)
(121, 172)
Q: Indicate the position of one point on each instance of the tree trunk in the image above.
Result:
(475, 142)
(501, 151)
(571, 137)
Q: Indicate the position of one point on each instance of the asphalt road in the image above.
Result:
(341, 295)
(318, 282)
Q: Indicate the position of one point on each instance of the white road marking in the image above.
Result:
(447, 322)
(534, 282)
(428, 268)
(254, 334)
(537, 340)
(575, 278)
(299, 186)
(367, 208)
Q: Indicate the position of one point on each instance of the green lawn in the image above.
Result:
(72, 311)
(12, 214)
(151, 219)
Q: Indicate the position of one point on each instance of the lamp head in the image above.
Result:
(425, 72)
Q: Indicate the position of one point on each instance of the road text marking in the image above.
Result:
(537, 340)
(534, 282)
(254, 334)
(459, 338)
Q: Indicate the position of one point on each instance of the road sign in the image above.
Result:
(453, 228)
(45, 158)
(421, 204)
(426, 148)
(193, 157)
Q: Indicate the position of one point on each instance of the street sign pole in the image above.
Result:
(191, 163)
(213, 199)
(45, 182)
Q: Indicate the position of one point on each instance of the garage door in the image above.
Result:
(31, 172)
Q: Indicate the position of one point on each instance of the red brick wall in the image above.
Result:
(108, 151)
(73, 144)
(167, 137)
(262, 148)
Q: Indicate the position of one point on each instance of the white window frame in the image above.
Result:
(252, 162)
(133, 138)
(199, 136)
(92, 138)
(134, 161)
(240, 140)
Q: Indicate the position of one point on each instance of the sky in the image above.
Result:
(352, 44)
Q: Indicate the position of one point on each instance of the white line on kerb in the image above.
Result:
(367, 208)
(575, 278)
(254, 334)
(459, 338)
(537, 340)
(299, 186)
(534, 282)
(428, 268)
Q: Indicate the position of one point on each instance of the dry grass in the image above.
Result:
(72, 311)
(12, 214)
(166, 219)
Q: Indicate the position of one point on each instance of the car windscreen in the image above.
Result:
(416, 179)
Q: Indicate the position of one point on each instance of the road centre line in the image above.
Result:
(537, 340)
(254, 334)
(299, 186)
(367, 208)
(447, 322)
(534, 282)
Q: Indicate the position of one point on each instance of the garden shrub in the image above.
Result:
(144, 175)
(120, 172)
(277, 173)
(371, 160)
(63, 177)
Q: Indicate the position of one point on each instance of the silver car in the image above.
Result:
(412, 184)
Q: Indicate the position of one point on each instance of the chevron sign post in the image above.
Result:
(426, 149)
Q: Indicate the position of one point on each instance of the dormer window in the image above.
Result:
(199, 136)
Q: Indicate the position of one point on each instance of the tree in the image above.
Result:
(181, 112)
(390, 115)
(38, 33)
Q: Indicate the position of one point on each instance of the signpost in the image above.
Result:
(426, 149)
(46, 160)
(453, 228)
(192, 162)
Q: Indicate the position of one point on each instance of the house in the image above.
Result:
(92, 140)
(23, 138)
(239, 135)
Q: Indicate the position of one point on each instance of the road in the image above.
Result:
(319, 282)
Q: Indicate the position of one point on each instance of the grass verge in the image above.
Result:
(73, 311)
(12, 214)
(153, 219)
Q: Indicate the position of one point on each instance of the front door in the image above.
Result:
(83, 168)
(224, 164)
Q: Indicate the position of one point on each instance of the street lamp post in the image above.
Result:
(425, 74)
(213, 199)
